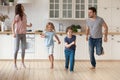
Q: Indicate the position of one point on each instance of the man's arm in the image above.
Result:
(105, 31)
(87, 33)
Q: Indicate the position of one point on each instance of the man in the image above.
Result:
(94, 32)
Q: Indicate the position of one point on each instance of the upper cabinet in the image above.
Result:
(70, 9)
(79, 9)
(92, 3)
(67, 9)
(6, 2)
(109, 10)
(54, 9)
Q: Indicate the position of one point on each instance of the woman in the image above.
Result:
(19, 32)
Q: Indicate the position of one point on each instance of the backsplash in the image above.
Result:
(66, 23)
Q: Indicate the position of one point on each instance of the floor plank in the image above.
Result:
(40, 70)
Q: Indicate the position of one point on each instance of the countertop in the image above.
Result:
(61, 33)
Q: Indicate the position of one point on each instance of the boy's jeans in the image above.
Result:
(69, 56)
(92, 44)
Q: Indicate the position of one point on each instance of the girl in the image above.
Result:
(19, 32)
(49, 42)
(70, 46)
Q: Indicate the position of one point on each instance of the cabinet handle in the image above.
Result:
(80, 34)
(105, 8)
(118, 8)
(118, 41)
(112, 38)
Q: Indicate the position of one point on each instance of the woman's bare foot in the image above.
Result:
(23, 65)
(52, 66)
(15, 66)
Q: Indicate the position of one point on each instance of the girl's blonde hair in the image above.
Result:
(51, 24)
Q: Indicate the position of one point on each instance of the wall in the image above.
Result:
(38, 14)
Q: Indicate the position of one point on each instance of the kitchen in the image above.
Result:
(38, 12)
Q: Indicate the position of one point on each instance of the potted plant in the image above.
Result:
(74, 27)
(2, 21)
(11, 2)
(78, 28)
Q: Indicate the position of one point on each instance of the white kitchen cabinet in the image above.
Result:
(105, 13)
(79, 9)
(109, 10)
(80, 53)
(115, 47)
(115, 3)
(105, 3)
(70, 9)
(115, 16)
(92, 3)
(5, 46)
(54, 9)
(40, 49)
(59, 48)
(67, 8)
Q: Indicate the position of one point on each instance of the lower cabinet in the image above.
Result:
(40, 49)
(115, 47)
(59, 48)
(111, 48)
(81, 45)
(5, 46)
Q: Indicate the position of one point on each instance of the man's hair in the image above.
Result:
(93, 9)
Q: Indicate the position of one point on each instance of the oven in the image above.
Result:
(30, 44)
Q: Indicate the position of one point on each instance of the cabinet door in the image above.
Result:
(105, 3)
(105, 13)
(54, 8)
(115, 47)
(92, 3)
(67, 9)
(79, 8)
(116, 3)
(40, 49)
(5, 46)
(59, 48)
(115, 18)
(80, 47)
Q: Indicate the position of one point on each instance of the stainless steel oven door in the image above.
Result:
(30, 44)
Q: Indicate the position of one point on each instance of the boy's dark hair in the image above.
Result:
(93, 9)
(69, 28)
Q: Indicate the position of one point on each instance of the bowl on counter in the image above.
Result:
(39, 31)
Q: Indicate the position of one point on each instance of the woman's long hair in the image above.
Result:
(18, 10)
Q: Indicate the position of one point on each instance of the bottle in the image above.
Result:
(60, 27)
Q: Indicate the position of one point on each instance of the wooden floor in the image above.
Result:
(39, 70)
